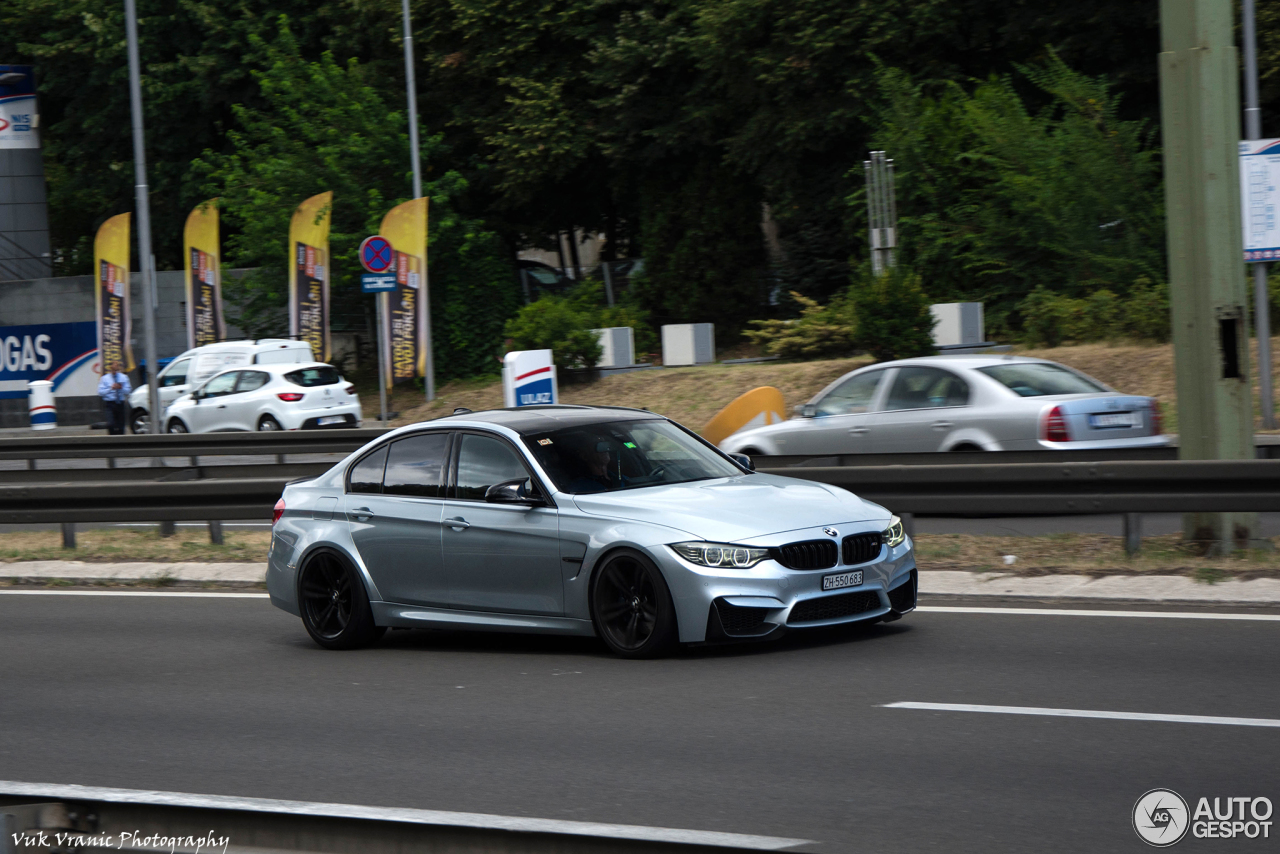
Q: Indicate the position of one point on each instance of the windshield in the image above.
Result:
(624, 455)
(1034, 379)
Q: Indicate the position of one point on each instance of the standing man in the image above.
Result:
(114, 389)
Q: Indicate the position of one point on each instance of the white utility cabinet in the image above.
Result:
(617, 345)
(959, 323)
(688, 344)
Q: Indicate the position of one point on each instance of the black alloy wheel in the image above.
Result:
(267, 424)
(139, 422)
(631, 606)
(176, 426)
(335, 608)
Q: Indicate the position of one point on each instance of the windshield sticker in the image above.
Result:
(544, 441)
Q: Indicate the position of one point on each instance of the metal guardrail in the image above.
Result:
(33, 814)
(1033, 489)
(98, 446)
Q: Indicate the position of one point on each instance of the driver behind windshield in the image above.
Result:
(594, 474)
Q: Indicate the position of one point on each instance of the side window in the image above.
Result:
(252, 380)
(852, 396)
(366, 474)
(221, 384)
(176, 375)
(484, 461)
(926, 388)
(415, 465)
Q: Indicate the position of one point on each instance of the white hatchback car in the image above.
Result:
(300, 396)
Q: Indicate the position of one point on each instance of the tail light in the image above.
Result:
(351, 389)
(290, 396)
(277, 512)
(1157, 419)
(1054, 426)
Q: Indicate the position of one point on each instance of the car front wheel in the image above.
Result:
(176, 426)
(631, 606)
(335, 607)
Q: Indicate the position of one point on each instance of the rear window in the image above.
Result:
(308, 377)
(1036, 379)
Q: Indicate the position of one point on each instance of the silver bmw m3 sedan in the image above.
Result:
(577, 520)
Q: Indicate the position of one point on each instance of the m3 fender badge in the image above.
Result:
(831, 532)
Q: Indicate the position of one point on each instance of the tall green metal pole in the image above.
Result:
(1199, 98)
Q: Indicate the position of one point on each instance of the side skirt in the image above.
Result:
(421, 617)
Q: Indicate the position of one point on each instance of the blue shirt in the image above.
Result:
(112, 395)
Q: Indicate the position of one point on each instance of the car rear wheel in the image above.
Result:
(138, 421)
(335, 607)
(176, 426)
(268, 424)
(631, 606)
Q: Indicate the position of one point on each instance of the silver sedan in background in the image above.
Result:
(960, 403)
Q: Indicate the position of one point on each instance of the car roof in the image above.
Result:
(541, 419)
(966, 360)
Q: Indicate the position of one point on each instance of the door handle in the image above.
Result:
(942, 425)
(222, 406)
(457, 523)
(362, 514)
(857, 431)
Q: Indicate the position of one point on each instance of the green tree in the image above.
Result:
(324, 128)
(892, 313)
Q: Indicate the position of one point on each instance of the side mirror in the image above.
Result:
(744, 461)
(513, 492)
(807, 410)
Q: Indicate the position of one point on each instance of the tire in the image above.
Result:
(967, 449)
(631, 606)
(139, 421)
(268, 424)
(334, 604)
(176, 426)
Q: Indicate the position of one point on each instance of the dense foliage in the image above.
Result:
(670, 126)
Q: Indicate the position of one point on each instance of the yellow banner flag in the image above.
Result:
(111, 293)
(205, 323)
(309, 274)
(407, 308)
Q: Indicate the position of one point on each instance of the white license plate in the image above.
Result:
(1115, 419)
(332, 419)
(844, 579)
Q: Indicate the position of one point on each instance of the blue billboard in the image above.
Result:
(66, 354)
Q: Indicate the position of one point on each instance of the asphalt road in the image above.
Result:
(228, 696)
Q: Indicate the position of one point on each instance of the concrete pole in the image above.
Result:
(144, 214)
(1199, 91)
(415, 157)
(1261, 299)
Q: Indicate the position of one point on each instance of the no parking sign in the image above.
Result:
(376, 254)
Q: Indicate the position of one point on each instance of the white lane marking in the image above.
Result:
(1076, 612)
(409, 816)
(1086, 713)
(170, 593)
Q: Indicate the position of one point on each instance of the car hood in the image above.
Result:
(734, 509)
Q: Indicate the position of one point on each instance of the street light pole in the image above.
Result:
(145, 263)
(429, 378)
(1261, 299)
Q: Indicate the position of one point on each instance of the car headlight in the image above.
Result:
(894, 535)
(724, 555)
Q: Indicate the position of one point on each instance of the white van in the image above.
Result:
(193, 367)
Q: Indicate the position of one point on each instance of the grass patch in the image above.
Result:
(126, 545)
(1088, 554)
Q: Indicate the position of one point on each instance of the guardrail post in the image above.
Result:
(1132, 533)
(68, 535)
(215, 533)
(908, 524)
(31, 464)
(166, 529)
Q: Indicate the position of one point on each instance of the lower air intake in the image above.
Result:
(903, 597)
(742, 622)
(833, 607)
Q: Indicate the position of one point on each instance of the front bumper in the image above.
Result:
(768, 600)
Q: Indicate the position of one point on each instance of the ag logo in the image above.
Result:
(831, 532)
(1160, 817)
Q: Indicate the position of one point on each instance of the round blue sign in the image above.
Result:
(376, 254)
